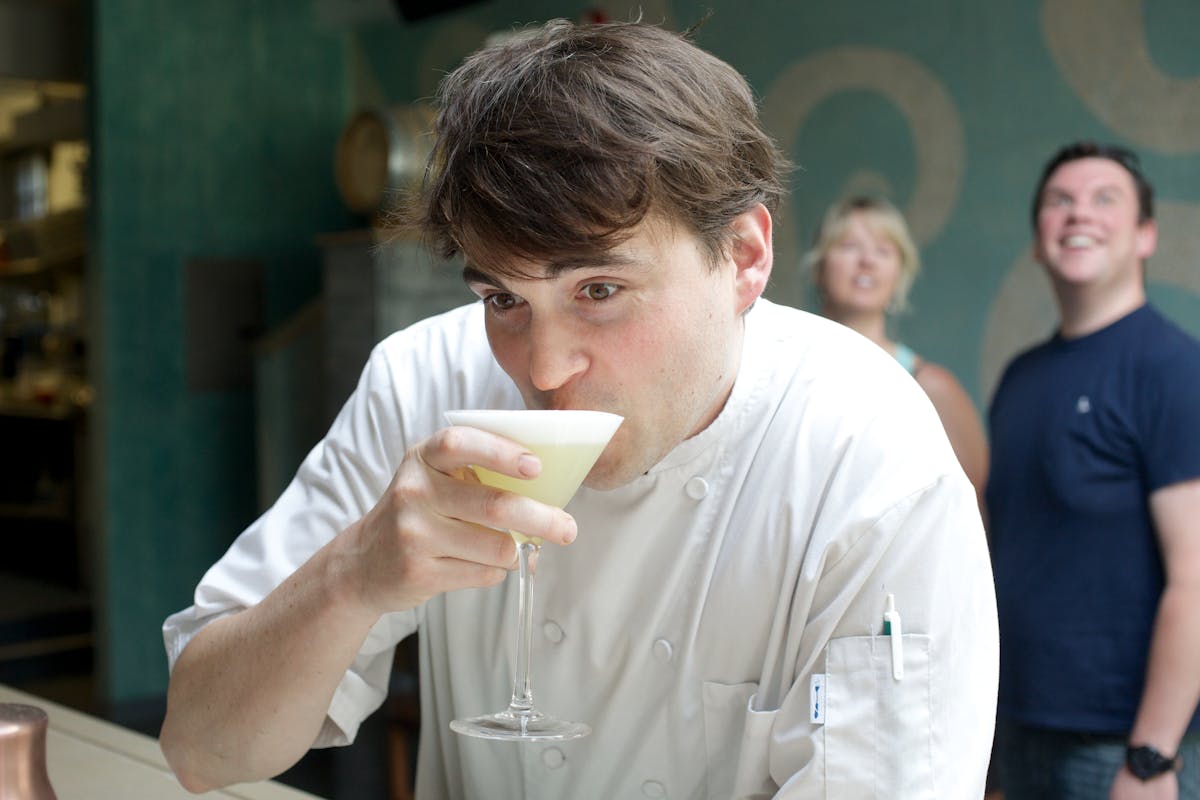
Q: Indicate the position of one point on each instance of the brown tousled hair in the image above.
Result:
(559, 141)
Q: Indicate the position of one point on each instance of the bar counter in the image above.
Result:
(89, 758)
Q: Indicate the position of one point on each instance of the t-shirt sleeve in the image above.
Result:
(1171, 444)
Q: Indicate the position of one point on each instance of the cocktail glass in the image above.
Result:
(568, 443)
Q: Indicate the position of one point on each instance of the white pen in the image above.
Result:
(893, 629)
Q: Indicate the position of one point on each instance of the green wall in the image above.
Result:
(215, 127)
(949, 108)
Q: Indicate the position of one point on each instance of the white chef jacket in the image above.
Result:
(718, 622)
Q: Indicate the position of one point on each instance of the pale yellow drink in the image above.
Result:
(567, 443)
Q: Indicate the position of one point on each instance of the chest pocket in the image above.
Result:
(736, 741)
(877, 729)
(1092, 458)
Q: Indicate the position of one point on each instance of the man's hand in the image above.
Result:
(240, 709)
(1128, 787)
(437, 528)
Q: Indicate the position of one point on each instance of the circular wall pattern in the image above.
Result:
(921, 99)
(1100, 48)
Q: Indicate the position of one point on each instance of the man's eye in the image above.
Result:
(599, 291)
(500, 301)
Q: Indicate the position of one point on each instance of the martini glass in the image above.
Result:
(568, 444)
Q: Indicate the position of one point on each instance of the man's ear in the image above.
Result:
(751, 254)
(1036, 253)
(1147, 239)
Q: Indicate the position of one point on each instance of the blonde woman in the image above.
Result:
(863, 264)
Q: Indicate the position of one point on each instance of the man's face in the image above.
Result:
(1088, 234)
(653, 332)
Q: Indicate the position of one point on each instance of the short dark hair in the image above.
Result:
(1088, 149)
(565, 137)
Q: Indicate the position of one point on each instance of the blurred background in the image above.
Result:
(191, 274)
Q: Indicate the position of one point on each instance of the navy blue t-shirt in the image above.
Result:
(1082, 431)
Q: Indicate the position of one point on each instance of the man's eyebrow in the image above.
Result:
(610, 259)
(1103, 187)
(556, 267)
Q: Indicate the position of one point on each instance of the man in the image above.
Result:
(772, 486)
(1094, 498)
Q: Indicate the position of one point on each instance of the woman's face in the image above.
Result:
(861, 269)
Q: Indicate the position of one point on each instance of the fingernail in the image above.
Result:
(572, 532)
(529, 466)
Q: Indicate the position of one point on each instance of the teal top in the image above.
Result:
(907, 358)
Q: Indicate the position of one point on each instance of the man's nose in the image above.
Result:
(1080, 209)
(555, 356)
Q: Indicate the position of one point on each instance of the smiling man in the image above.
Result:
(778, 483)
(1094, 502)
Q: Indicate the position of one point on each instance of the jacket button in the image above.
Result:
(552, 631)
(654, 789)
(663, 650)
(553, 758)
(696, 488)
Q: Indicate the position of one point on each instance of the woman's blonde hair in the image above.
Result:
(883, 217)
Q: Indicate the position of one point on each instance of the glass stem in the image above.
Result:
(522, 695)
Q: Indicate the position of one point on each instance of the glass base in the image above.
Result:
(531, 726)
